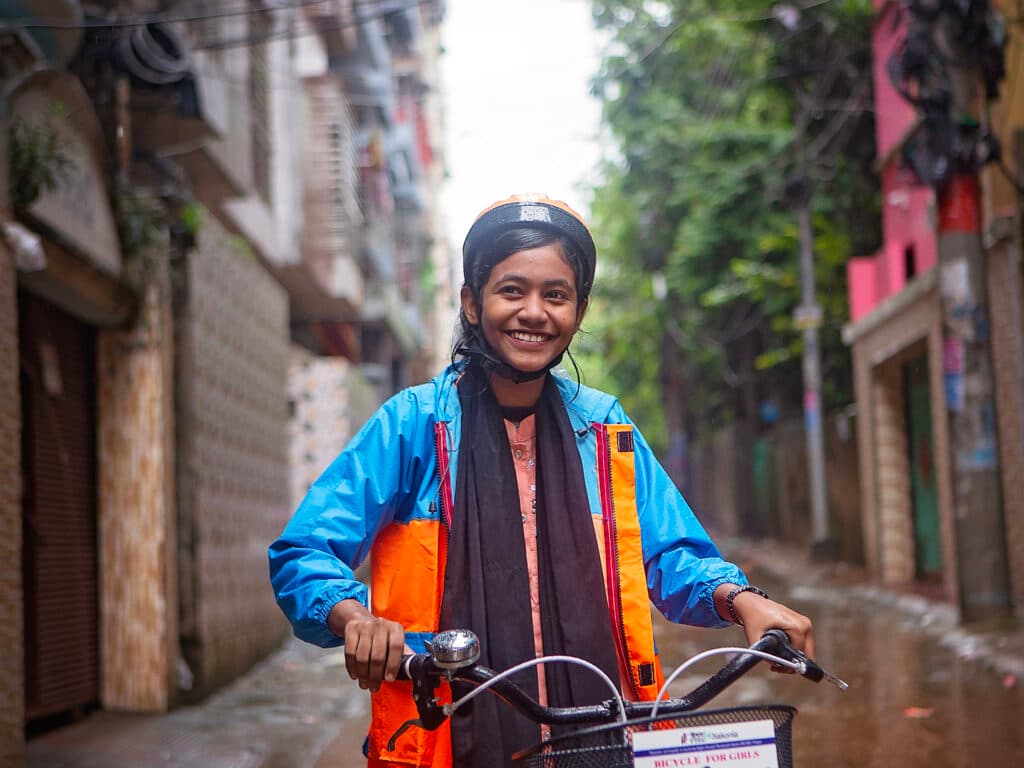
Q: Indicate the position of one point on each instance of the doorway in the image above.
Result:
(921, 454)
(59, 514)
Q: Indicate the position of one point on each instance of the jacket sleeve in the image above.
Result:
(683, 564)
(313, 561)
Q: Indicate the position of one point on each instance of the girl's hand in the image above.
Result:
(759, 614)
(373, 645)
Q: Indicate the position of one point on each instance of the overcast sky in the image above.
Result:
(519, 116)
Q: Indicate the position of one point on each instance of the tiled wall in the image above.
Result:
(331, 399)
(232, 424)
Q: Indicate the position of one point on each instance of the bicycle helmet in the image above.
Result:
(536, 211)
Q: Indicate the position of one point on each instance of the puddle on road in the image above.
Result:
(912, 701)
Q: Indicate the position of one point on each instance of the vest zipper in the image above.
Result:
(443, 475)
(611, 552)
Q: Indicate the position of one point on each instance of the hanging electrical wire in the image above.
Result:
(150, 18)
(116, 22)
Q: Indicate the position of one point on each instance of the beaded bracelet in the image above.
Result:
(735, 593)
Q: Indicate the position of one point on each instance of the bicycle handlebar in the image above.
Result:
(426, 672)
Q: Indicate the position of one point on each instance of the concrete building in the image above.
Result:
(203, 208)
(909, 375)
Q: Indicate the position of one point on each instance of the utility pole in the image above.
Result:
(982, 569)
(808, 318)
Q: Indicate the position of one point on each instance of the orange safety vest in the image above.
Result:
(407, 566)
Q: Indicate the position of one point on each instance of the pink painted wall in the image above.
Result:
(908, 208)
(894, 117)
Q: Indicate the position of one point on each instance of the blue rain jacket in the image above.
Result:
(388, 473)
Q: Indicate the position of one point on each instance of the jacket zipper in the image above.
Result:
(443, 476)
(611, 551)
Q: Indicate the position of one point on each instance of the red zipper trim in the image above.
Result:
(443, 466)
(611, 552)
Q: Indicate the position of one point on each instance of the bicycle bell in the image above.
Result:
(454, 648)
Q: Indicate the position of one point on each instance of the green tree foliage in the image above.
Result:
(711, 104)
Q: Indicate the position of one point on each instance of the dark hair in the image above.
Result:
(512, 241)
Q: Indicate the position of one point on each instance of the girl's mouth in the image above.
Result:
(531, 338)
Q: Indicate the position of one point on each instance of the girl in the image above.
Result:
(505, 499)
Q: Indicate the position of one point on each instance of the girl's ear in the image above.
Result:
(469, 306)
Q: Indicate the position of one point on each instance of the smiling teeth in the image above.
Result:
(528, 336)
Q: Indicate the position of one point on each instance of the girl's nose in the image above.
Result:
(532, 307)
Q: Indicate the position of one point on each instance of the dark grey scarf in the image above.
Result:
(487, 583)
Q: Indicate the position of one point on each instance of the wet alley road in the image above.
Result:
(917, 697)
(912, 702)
(922, 692)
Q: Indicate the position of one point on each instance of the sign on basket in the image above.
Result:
(737, 745)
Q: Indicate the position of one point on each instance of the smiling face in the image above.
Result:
(530, 309)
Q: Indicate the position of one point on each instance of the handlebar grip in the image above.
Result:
(776, 642)
(403, 667)
(419, 667)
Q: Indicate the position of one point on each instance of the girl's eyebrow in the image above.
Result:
(559, 281)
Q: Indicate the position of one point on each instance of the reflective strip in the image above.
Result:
(633, 599)
(610, 561)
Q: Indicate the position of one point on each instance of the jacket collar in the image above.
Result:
(584, 404)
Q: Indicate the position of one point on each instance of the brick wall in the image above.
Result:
(773, 499)
(842, 479)
(792, 481)
(895, 516)
(904, 331)
(231, 322)
(1006, 301)
(12, 694)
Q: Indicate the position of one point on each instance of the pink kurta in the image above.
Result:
(522, 439)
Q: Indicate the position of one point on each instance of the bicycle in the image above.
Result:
(665, 733)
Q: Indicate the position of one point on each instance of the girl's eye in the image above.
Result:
(510, 289)
(560, 295)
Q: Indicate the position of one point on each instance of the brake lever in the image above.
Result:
(428, 705)
(815, 672)
(418, 722)
(430, 719)
(807, 667)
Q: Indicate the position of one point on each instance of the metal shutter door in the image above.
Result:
(59, 510)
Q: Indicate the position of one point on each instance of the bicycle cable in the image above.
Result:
(450, 708)
(797, 666)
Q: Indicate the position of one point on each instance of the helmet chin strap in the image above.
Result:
(482, 356)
